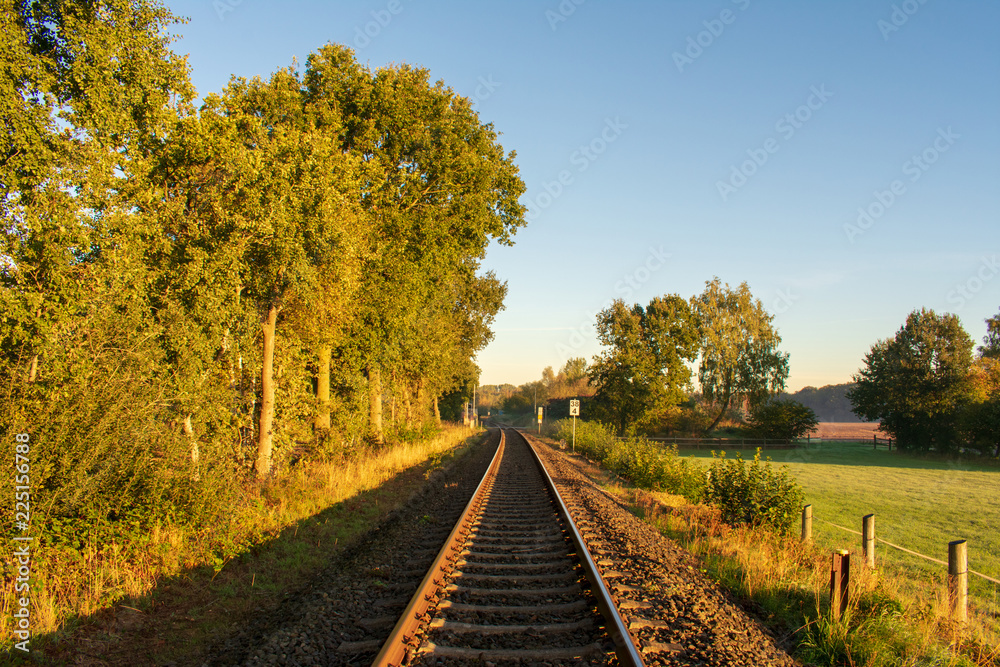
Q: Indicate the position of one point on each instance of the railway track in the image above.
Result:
(514, 581)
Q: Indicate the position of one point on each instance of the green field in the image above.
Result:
(919, 503)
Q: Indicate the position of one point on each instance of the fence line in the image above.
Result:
(699, 443)
(909, 551)
(765, 443)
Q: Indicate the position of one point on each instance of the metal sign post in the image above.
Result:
(574, 410)
(540, 420)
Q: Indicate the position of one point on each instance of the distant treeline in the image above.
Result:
(830, 402)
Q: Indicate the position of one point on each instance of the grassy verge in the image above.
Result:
(888, 621)
(182, 585)
(895, 617)
(919, 503)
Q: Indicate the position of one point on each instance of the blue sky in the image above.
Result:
(842, 158)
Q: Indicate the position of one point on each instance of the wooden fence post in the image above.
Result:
(840, 578)
(874, 442)
(807, 523)
(958, 580)
(868, 538)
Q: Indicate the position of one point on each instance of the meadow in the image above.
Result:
(920, 503)
(898, 611)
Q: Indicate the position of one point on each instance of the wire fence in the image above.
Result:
(706, 443)
(765, 443)
(909, 551)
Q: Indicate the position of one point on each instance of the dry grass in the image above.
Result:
(77, 583)
(835, 430)
(890, 620)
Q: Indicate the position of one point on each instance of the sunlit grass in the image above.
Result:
(919, 503)
(898, 614)
(74, 583)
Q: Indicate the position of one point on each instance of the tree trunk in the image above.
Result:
(263, 465)
(408, 394)
(33, 371)
(421, 402)
(195, 453)
(718, 418)
(323, 390)
(437, 412)
(375, 404)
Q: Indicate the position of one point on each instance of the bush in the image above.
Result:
(593, 439)
(755, 495)
(644, 463)
(785, 420)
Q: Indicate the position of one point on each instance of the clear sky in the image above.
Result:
(842, 158)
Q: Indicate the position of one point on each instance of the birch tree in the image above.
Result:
(739, 348)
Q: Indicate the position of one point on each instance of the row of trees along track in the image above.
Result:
(188, 292)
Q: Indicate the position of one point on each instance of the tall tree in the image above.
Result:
(262, 218)
(739, 348)
(574, 369)
(645, 366)
(991, 341)
(87, 89)
(917, 382)
(438, 186)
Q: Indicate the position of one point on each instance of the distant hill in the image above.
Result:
(829, 403)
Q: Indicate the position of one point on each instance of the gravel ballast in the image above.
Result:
(678, 616)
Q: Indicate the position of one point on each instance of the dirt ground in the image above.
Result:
(834, 430)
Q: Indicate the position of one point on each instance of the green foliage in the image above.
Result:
(592, 437)
(644, 463)
(990, 349)
(917, 382)
(644, 370)
(739, 348)
(755, 494)
(574, 369)
(782, 419)
(153, 252)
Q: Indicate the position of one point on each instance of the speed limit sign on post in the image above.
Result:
(574, 412)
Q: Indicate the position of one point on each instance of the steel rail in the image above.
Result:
(627, 652)
(402, 640)
(399, 643)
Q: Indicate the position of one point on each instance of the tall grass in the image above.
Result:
(887, 623)
(79, 574)
(644, 463)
